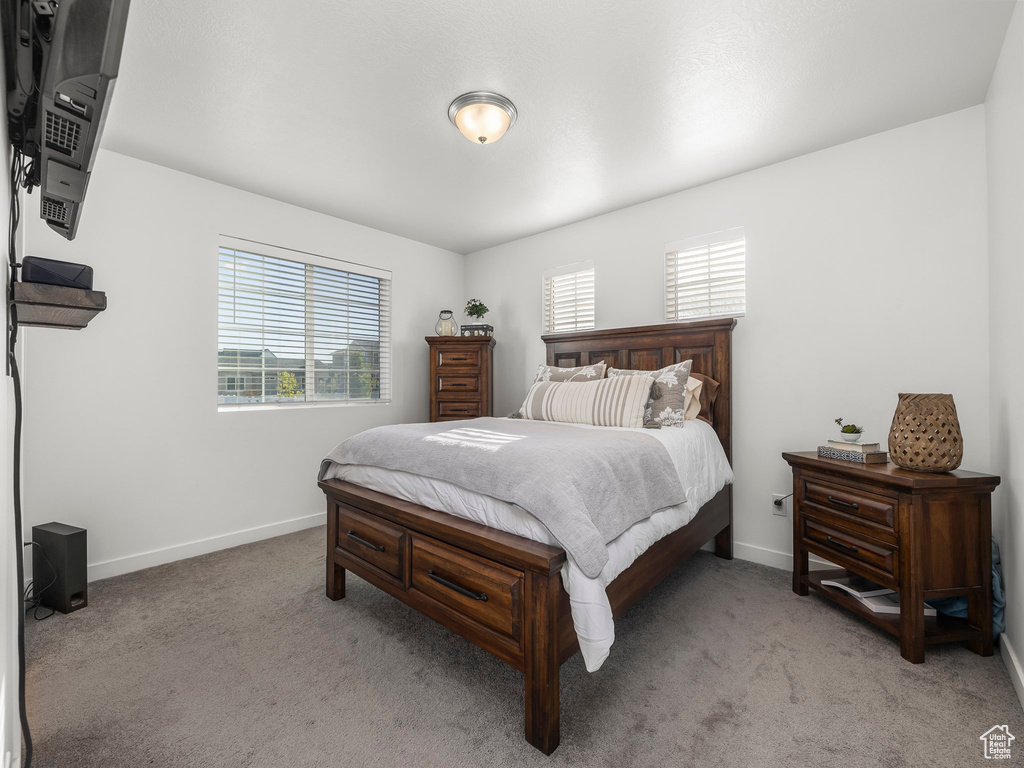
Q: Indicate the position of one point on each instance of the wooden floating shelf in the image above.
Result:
(57, 306)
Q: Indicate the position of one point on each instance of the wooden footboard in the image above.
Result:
(501, 592)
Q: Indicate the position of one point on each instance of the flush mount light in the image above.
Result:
(482, 116)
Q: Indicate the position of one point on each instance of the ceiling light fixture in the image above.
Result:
(482, 116)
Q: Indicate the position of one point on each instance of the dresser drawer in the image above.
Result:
(466, 357)
(483, 592)
(458, 383)
(853, 503)
(849, 549)
(469, 409)
(373, 541)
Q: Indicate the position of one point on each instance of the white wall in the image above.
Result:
(123, 436)
(1004, 110)
(895, 223)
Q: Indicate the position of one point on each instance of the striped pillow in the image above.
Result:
(618, 402)
(668, 406)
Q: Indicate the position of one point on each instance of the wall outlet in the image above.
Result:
(782, 510)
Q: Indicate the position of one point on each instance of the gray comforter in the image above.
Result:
(586, 485)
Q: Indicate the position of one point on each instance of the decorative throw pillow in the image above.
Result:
(667, 406)
(582, 373)
(604, 403)
(708, 395)
(691, 407)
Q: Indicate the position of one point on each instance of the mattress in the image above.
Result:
(698, 458)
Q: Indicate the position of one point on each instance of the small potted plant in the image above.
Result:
(477, 309)
(849, 432)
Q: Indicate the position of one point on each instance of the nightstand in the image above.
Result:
(925, 535)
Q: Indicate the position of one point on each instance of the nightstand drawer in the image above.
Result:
(851, 550)
(852, 502)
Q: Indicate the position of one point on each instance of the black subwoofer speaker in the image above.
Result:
(64, 566)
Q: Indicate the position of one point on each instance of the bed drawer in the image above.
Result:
(373, 541)
(846, 548)
(853, 503)
(484, 592)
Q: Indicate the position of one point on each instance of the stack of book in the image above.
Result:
(861, 453)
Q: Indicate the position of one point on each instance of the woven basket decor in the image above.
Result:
(925, 434)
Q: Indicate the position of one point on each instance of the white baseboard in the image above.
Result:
(129, 563)
(771, 557)
(1013, 666)
(119, 565)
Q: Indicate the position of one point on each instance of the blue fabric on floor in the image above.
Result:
(957, 606)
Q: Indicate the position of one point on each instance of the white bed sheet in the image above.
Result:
(703, 470)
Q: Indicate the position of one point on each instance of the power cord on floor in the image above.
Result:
(32, 598)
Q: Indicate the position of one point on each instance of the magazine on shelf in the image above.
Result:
(858, 586)
(876, 598)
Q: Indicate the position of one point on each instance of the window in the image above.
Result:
(295, 329)
(706, 276)
(569, 298)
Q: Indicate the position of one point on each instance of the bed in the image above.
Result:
(504, 592)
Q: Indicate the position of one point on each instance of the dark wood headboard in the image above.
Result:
(650, 347)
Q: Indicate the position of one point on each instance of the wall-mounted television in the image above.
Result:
(61, 62)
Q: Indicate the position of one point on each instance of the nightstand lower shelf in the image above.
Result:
(937, 629)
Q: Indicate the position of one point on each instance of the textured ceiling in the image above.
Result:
(341, 107)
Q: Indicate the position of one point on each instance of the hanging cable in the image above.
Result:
(17, 171)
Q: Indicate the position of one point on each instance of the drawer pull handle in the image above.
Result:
(364, 542)
(841, 503)
(841, 545)
(457, 384)
(482, 597)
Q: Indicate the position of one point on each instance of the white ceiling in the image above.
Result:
(341, 107)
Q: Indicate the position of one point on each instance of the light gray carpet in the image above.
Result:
(237, 659)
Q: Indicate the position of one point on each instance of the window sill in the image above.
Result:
(298, 406)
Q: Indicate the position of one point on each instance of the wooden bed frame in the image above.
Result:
(504, 593)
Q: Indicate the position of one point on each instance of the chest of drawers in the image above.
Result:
(461, 377)
(923, 535)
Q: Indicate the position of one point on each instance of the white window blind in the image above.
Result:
(706, 276)
(295, 328)
(569, 298)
